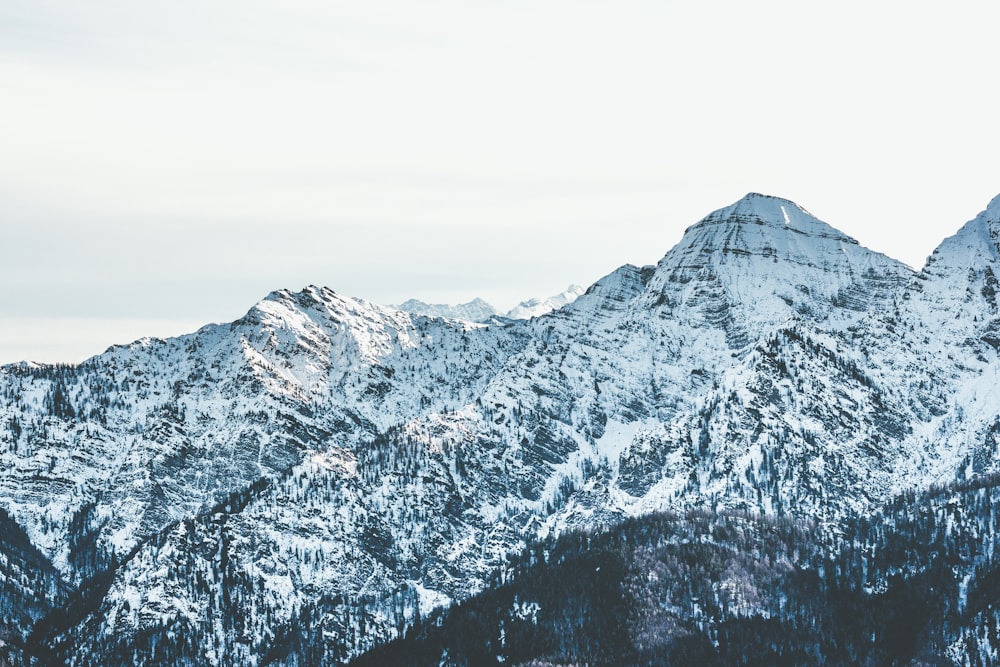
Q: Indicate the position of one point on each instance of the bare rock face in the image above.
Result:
(300, 485)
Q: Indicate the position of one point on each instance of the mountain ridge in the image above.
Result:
(327, 456)
(481, 312)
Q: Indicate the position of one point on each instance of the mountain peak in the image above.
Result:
(774, 212)
(477, 310)
(537, 306)
(774, 259)
(972, 246)
(762, 226)
(992, 211)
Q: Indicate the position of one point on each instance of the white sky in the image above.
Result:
(166, 164)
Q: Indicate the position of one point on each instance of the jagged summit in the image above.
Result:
(285, 307)
(309, 297)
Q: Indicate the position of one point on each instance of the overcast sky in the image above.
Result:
(167, 164)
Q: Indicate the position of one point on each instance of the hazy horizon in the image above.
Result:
(167, 166)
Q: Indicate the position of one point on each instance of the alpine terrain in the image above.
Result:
(775, 446)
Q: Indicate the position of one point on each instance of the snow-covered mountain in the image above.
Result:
(297, 486)
(537, 307)
(480, 311)
(476, 310)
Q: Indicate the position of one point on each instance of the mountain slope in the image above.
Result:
(913, 584)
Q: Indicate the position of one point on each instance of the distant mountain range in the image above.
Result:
(478, 310)
(775, 446)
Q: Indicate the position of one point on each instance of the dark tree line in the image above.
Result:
(916, 584)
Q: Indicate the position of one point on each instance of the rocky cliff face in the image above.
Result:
(299, 485)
